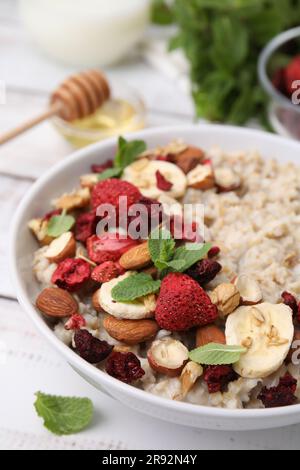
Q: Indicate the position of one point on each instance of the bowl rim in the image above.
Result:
(263, 61)
(72, 358)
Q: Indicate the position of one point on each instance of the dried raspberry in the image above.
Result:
(76, 322)
(213, 252)
(218, 377)
(90, 348)
(107, 271)
(162, 183)
(182, 304)
(108, 247)
(204, 271)
(290, 301)
(110, 191)
(292, 73)
(85, 226)
(71, 274)
(185, 231)
(51, 214)
(282, 395)
(102, 167)
(125, 367)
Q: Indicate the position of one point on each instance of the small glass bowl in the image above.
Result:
(124, 112)
(284, 116)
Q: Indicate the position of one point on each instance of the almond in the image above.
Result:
(89, 181)
(189, 376)
(39, 229)
(189, 159)
(75, 200)
(168, 356)
(130, 331)
(61, 248)
(209, 334)
(136, 258)
(56, 302)
(201, 177)
(249, 289)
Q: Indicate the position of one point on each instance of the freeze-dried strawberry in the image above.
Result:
(290, 301)
(282, 395)
(110, 191)
(85, 226)
(51, 214)
(102, 166)
(71, 274)
(108, 247)
(76, 322)
(107, 271)
(162, 183)
(204, 271)
(149, 218)
(90, 348)
(182, 304)
(292, 73)
(185, 231)
(125, 367)
(218, 377)
(213, 252)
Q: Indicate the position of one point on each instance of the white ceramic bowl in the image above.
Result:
(63, 177)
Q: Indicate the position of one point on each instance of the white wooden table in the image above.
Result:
(26, 362)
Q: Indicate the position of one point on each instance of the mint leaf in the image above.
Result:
(161, 13)
(110, 173)
(214, 354)
(162, 247)
(60, 224)
(190, 254)
(64, 415)
(134, 287)
(128, 152)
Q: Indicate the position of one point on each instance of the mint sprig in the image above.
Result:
(64, 415)
(134, 287)
(191, 253)
(214, 354)
(162, 248)
(60, 224)
(126, 154)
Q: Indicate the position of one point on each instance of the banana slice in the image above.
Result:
(267, 331)
(137, 310)
(142, 174)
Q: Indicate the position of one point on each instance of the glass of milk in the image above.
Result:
(86, 32)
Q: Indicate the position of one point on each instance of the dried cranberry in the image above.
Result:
(213, 252)
(51, 214)
(85, 226)
(71, 274)
(162, 183)
(107, 271)
(76, 322)
(90, 348)
(102, 166)
(108, 247)
(290, 301)
(282, 395)
(218, 377)
(125, 367)
(185, 231)
(204, 271)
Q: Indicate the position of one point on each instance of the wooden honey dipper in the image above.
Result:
(76, 98)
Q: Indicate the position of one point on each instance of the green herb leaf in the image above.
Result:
(214, 354)
(110, 173)
(60, 224)
(162, 247)
(162, 13)
(191, 253)
(64, 415)
(134, 287)
(128, 152)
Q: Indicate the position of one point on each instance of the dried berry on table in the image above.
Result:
(125, 367)
(90, 348)
(71, 274)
